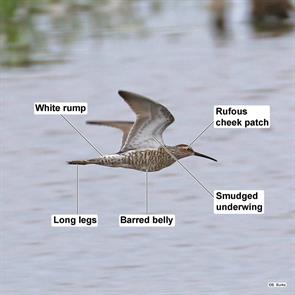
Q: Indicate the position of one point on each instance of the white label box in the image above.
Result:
(277, 284)
(147, 220)
(242, 116)
(74, 220)
(238, 202)
(60, 108)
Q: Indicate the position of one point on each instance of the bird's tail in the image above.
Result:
(83, 162)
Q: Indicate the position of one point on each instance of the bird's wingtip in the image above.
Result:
(125, 94)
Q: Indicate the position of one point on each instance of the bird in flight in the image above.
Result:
(142, 144)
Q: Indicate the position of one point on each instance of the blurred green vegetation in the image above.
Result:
(43, 31)
(14, 29)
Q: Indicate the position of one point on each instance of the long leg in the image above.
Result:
(87, 162)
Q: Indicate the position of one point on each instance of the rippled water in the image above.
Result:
(175, 58)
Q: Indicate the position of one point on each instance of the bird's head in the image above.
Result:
(184, 150)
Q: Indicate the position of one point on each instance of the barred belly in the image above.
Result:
(147, 160)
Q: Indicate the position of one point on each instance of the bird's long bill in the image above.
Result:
(204, 156)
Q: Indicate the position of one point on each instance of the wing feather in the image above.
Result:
(124, 126)
(151, 120)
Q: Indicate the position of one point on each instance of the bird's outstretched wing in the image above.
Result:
(124, 126)
(151, 120)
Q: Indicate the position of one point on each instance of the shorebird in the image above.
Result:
(142, 144)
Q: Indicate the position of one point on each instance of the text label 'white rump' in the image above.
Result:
(60, 108)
